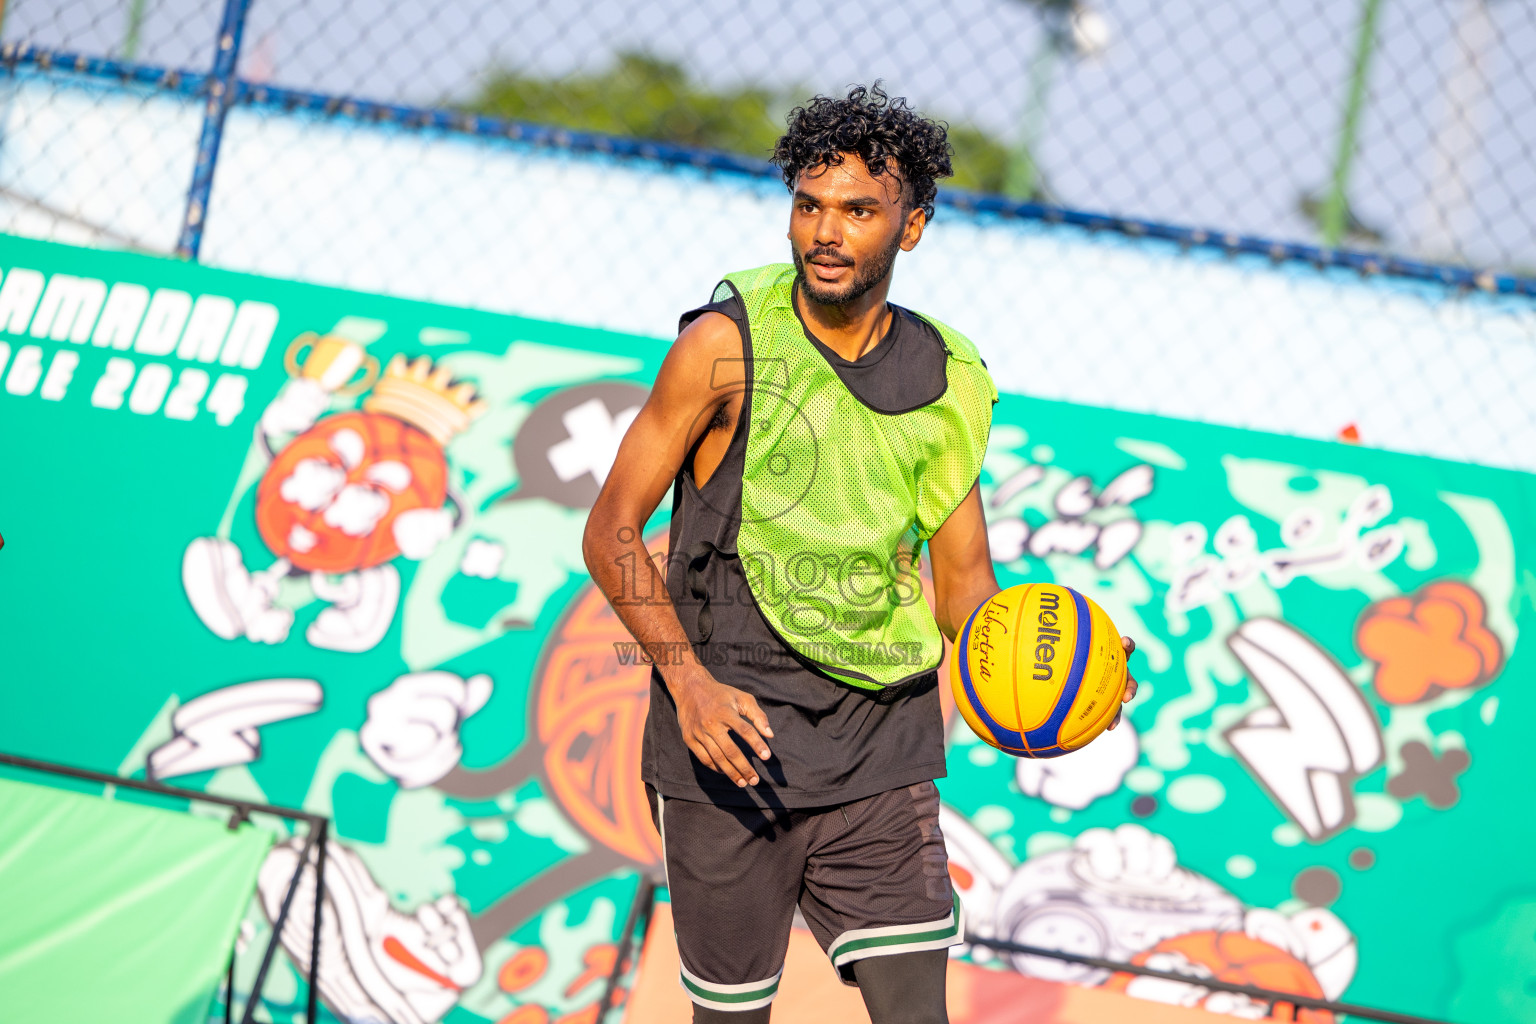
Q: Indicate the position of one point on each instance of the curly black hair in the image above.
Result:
(882, 130)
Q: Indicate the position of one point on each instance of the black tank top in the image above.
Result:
(832, 743)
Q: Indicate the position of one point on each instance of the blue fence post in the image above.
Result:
(221, 94)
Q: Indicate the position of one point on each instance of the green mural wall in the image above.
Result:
(323, 548)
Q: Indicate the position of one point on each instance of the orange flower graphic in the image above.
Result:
(1432, 641)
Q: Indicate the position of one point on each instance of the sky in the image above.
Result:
(1217, 113)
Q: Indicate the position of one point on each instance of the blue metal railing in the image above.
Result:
(220, 87)
(262, 96)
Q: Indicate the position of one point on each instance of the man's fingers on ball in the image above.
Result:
(1128, 644)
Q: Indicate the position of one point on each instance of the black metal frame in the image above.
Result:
(637, 924)
(645, 900)
(317, 833)
(639, 911)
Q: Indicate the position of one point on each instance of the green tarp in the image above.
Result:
(106, 905)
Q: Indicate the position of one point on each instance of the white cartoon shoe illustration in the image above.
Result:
(412, 731)
(1113, 894)
(377, 965)
(1119, 894)
(362, 608)
(1316, 736)
(229, 600)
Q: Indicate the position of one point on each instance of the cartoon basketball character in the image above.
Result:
(341, 499)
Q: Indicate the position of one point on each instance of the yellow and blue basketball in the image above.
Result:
(1038, 670)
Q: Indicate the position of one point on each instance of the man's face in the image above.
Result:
(845, 230)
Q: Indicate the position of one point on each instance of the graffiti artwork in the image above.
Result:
(359, 589)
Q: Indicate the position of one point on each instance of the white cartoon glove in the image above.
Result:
(1077, 779)
(1130, 856)
(412, 732)
(296, 407)
(419, 531)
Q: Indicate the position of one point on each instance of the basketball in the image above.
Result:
(1038, 670)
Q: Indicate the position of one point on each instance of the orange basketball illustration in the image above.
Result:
(330, 498)
(328, 501)
(590, 709)
(1239, 959)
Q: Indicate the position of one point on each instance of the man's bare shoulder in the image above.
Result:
(707, 354)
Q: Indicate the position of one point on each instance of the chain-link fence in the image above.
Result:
(1295, 215)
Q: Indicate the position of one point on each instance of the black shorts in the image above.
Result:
(870, 877)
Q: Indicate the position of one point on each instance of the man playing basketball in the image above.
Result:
(814, 437)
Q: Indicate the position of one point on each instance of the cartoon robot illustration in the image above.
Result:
(1122, 895)
(342, 497)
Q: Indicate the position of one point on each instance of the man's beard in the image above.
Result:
(865, 277)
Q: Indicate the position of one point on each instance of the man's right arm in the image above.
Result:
(695, 379)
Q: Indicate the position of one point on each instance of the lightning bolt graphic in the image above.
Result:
(1318, 734)
(221, 728)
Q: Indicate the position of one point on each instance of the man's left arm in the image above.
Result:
(963, 576)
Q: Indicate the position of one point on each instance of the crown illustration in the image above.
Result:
(424, 397)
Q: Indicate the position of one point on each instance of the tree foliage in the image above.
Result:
(648, 97)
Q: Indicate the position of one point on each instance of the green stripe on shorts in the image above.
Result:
(950, 929)
(729, 997)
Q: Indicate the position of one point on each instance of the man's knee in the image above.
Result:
(705, 1015)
